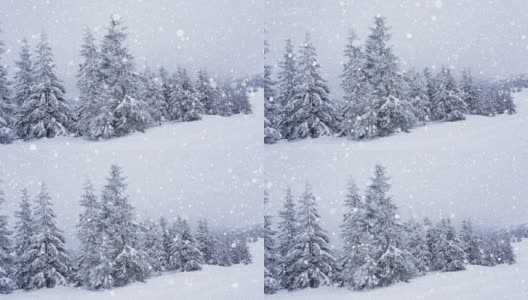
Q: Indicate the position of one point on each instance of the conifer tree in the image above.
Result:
(287, 76)
(418, 96)
(152, 244)
(241, 100)
(447, 105)
(207, 92)
(287, 225)
(470, 243)
(447, 252)
(310, 262)
(124, 111)
(7, 109)
(191, 257)
(311, 112)
(23, 81)
(184, 104)
(90, 86)
(416, 244)
(271, 106)
(271, 257)
(205, 242)
(353, 84)
(153, 95)
(469, 92)
(240, 251)
(166, 241)
(7, 284)
(45, 263)
(23, 233)
(89, 235)
(45, 112)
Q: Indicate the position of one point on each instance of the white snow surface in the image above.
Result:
(475, 168)
(210, 167)
(506, 282)
(238, 282)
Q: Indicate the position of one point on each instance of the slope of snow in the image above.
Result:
(477, 167)
(207, 168)
(507, 282)
(239, 282)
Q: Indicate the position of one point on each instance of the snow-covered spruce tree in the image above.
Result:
(23, 233)
(7, 284)
(240, 251)
(471, 243)
(311, 112)
(387, 260)
(89, 84)
(153, 94)
(241, 100)
(418, 96)
(152, 244)
(225, 101)
(90, 239)
(271, 257)
(45, 113)
(184, 104)
(353, 228)
(123, 109)
(430, 86)
(23, 81)
(166, 241)
(502, 249)
(7, 109)
(207, 91)
(271, 106)
(191, 257)
(447, 252)
(353, 84)
(223, 251)
(447, 104)
(310, 263)
(287, 226)
(391, 107)
(416, 243)
(469, 92)
(205, 242)
(504, 101)
(45, 262)
(123, 256)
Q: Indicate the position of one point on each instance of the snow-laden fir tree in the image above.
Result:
(90, 239)
(123, 108)
(23, 233)
(311, 112)
(23, 81)
(287, 226)
(471, 243)
(45, 112)
(205, 242)
(7, 284)
(223, 251)
(416, 243)
(353, 228)
(240, 251)
(271, 106)
(469, 92)
(190, 255)
(271, 257)
(393, 111)
(152, 244)
(386, 259)
(353, 84)
(418, 96)
(430, 84)
(122, 255)
(502, 249)
(310, 263)
(207, 91)
(7, 109)
(287, 76)
(89, 84)
(241, 103)
(153, 94)
(504, 101)
(45, 262)
(447, 104)
(166, 241)
(447, 252)
(183, 103)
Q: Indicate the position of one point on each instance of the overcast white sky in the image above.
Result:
(490, 36)
(223, 35)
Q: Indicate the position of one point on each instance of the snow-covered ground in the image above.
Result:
(506, 282)
(239, 282)
(474, 168)
(207, 168)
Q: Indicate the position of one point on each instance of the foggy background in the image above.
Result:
(223, 35)
(489, 36)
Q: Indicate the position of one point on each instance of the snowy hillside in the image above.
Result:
(206, 168)
(477, 167)
(237, 282)
(476, 283)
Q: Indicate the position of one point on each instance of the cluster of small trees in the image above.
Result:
(379, 99)
(114, 99)
(115, 249)
(379, 248)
